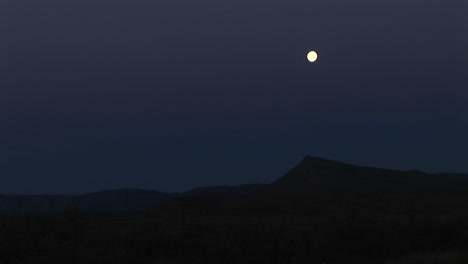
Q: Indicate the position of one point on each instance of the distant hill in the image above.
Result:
(322, 211)
(110, 200)
(118, 200)
(318, 176)
(239, 189)
(313, 179)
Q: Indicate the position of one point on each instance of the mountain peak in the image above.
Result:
(314, 175)
(311, 161)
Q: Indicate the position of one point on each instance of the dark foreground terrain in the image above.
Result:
(321, 212)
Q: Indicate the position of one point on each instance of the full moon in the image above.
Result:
(312, 56)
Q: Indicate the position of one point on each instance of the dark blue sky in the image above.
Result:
(173, 94)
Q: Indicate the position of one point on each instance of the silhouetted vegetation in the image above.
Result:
(321, 212)
(233, 230)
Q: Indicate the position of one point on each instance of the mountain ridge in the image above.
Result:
(320, 175)
(125, 199)
(312, 177)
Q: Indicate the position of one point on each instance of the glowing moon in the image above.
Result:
(312, 56)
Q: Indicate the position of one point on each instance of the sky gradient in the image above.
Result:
(174, 94)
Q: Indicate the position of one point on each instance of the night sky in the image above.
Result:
(174, 94)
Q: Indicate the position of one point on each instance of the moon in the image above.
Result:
(312, 56)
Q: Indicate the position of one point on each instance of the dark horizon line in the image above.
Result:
(307, 159)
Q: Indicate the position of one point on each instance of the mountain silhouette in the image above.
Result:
(321, 211)
(115, 200)
(313, 178)
(111, 200)
(318, 176)
(236, 190)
